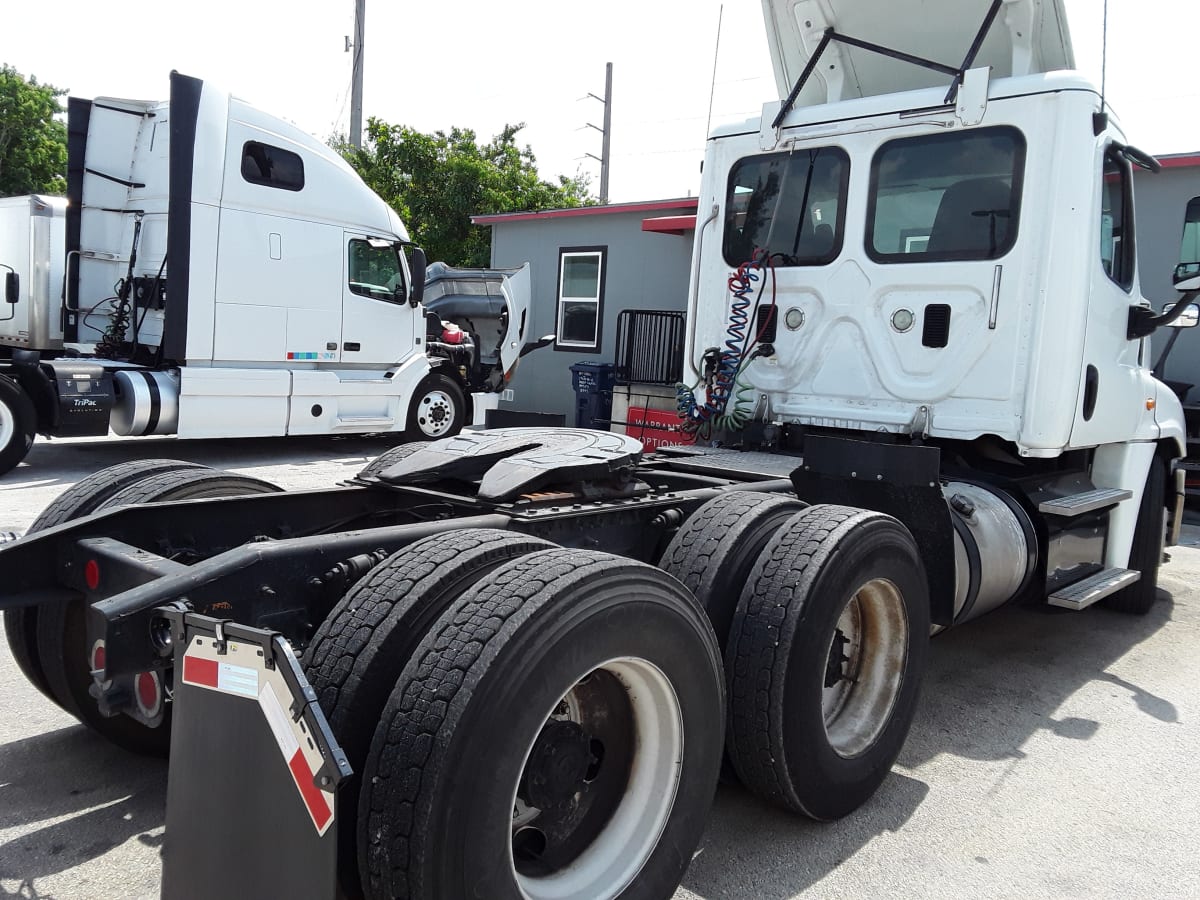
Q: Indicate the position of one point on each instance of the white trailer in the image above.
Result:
(216, 272)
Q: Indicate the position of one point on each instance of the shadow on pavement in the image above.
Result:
(991, 685)
(994, 683)
(754, 850)
(91, 795)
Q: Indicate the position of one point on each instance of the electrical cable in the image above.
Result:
(722, 385)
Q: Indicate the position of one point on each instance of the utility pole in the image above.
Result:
(356, 87)
(604, 157)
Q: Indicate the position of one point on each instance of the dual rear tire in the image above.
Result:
(823, 613)
(534, 722)
(50, 643)
(553, 726)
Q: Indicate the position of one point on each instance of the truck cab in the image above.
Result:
(223, 274)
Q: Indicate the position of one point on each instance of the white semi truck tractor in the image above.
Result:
(512, 664)
(216, 272)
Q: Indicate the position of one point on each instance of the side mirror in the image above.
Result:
(544, 341)
(1187, 276)
(417, 264)
(12, 287)
(1189, 318)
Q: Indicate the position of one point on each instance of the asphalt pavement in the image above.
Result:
(1054, 753)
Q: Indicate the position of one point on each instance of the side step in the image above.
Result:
(1083, 594)
(364, 421)
(1088, 501)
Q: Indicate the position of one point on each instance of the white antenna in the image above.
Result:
(1100, 119)
(1104, 57)
(713, 88)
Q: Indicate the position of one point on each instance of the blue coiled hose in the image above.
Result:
(724, 379)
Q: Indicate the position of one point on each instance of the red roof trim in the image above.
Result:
(1180, 161)
(650, 206)
(670, 224)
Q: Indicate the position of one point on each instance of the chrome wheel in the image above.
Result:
(598, 784)
(865, 667)
(435, 414)
(8, 425)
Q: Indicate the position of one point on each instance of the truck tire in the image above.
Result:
(388, 458)
(556, 734)
(438, 409)
(714, 551)
(61, 627)
(18, 424)
(81, 499)
(362, 646)
(1145, 555)
(825, 660)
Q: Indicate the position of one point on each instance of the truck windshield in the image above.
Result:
(946, 196)
(787, 204)
(375, 271)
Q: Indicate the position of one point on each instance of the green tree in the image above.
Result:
(33, 143)
(436, 182)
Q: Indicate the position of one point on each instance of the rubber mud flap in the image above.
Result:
(251, 793)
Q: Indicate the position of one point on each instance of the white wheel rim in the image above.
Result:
(868, 662)
(435, 413)
(617, 853)
(8, 425)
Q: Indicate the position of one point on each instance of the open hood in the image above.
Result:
(1027, 37)
(492, 305)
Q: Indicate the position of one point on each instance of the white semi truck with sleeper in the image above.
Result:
(216, 272)
(512, 664)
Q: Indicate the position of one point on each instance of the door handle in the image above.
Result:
(352, 346)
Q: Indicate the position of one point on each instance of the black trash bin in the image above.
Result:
(593, 384)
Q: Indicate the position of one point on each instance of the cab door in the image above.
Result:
(1113, 390)
(379, 326)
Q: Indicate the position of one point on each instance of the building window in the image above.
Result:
(580, 297)
(375, 271)
(946, 196)
(272, 166)
(1116, 220)
(788, 204)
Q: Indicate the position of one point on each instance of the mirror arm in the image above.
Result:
(1143, 322)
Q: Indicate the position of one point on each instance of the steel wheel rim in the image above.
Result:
(8, 425)
(435, 413)
(864, 667)
(618, 849)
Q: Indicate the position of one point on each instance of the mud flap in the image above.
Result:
(254, 770)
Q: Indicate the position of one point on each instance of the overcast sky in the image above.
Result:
(481, 64)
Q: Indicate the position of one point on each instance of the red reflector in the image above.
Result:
(318, 808)
(200, 671)
(98, 656)
(147, 689)
(91, 574)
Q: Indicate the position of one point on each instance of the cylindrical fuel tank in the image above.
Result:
(995, 548)
(147, 402)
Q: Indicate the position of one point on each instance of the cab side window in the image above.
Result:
(376, 272)
(1116, 221)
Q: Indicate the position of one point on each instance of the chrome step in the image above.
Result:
(364, 421)
(1083, 594)
(1088, 501)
